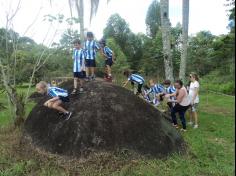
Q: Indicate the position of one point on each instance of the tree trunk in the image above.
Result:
(165, 27)
(185, 21)
(80, 11)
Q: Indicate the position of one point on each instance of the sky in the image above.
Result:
(204, 15)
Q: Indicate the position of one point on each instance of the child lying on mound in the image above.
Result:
(58, 97)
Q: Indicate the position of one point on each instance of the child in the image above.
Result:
(169, 89)
(146, 96)
(157, 90)
(58, 97)
(79, 66)
(134, 78)
(91, 47)
(109, 59)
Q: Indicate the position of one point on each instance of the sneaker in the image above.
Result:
(190, 123)
(68, 115)
(195, 126)
(61, 114)
(86, 79)
(81, 90)
(92, 78)
(184, 130)
(176, 126)
(74, 91)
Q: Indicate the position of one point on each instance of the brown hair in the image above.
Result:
(127, 73)
(167, 82)
(76, 41)
(42, 84)
(195, 76)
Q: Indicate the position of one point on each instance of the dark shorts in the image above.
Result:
(108, 62)
(64, 99)
(90, 63)
(80, 74)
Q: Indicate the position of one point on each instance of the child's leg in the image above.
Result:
(57, 105)
(108, 70)
(75, 83)
(92, 71)
(140, 88)
(87, 72)
(81, 82)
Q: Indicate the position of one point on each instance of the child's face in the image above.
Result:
(90, 38)
(40, 89)
(77, 45)
(151, 83)
(166, 85)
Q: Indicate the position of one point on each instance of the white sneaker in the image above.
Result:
(190, 123)
(195, 126)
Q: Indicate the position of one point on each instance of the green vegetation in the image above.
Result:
(210, 150)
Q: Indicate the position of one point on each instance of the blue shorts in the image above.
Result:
(64, 99)
(90, 63)
(80, 75)
(108, 62)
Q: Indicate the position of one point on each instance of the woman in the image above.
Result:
(182, 103)
(194, 98)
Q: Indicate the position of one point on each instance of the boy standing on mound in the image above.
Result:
(109, 59)
(79, 66)
(91, 47)
(58, 97)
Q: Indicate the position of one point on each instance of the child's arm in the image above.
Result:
(125, 83)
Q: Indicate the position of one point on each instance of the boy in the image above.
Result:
(146, 96)
(91, 47)
(157, 90)
(79, 66)
(169, 89)
(109, 59)
(134, 78)
(58, 97)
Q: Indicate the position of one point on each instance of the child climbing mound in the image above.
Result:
(134, 79)
(58, 97)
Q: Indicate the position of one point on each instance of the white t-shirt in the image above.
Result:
(192, 88)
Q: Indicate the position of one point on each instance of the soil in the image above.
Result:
(106, 117)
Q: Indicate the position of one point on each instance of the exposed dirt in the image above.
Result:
(105, 117)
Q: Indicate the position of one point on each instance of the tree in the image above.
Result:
(79, 4)
(185, 21)
(153, 19)
(165, 27)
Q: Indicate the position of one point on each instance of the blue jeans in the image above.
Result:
(181, 110)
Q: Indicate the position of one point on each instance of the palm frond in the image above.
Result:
(93, 8)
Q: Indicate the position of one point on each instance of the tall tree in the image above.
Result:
(79, 5)
(185, 21)
(153, 19)
(165, 28)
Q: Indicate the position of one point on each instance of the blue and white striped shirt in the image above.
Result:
(170, 90)
(156, 89)
(108, 52)
(79, 60)
(56, 91)
(136, 78)
(91, 48)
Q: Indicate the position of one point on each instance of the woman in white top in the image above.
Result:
(182, 104)
(194, 97)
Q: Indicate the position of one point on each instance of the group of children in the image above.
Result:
(178, 99)
(83, 70)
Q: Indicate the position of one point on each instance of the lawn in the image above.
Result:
(210, 150)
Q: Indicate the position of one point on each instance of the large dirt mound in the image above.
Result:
(105, 117)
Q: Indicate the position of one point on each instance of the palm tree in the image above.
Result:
(79, 5)
(165, 27)
(185, 21)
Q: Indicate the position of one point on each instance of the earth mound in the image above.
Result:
(105, 117)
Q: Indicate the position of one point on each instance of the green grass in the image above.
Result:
(210, 150)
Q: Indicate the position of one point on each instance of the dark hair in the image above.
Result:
(179, 82)
(167, 82)
(76, 41)
(195, 76)
(126, 73)
(89, 34)
(146, 86)
(102, 41)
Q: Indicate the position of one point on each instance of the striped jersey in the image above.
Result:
(157, 88)
(108, 52)
(170, 90)
(79, 60)
(56, 91)
(136, 78)
(91, 48)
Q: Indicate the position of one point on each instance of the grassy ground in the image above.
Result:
(210, 150)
